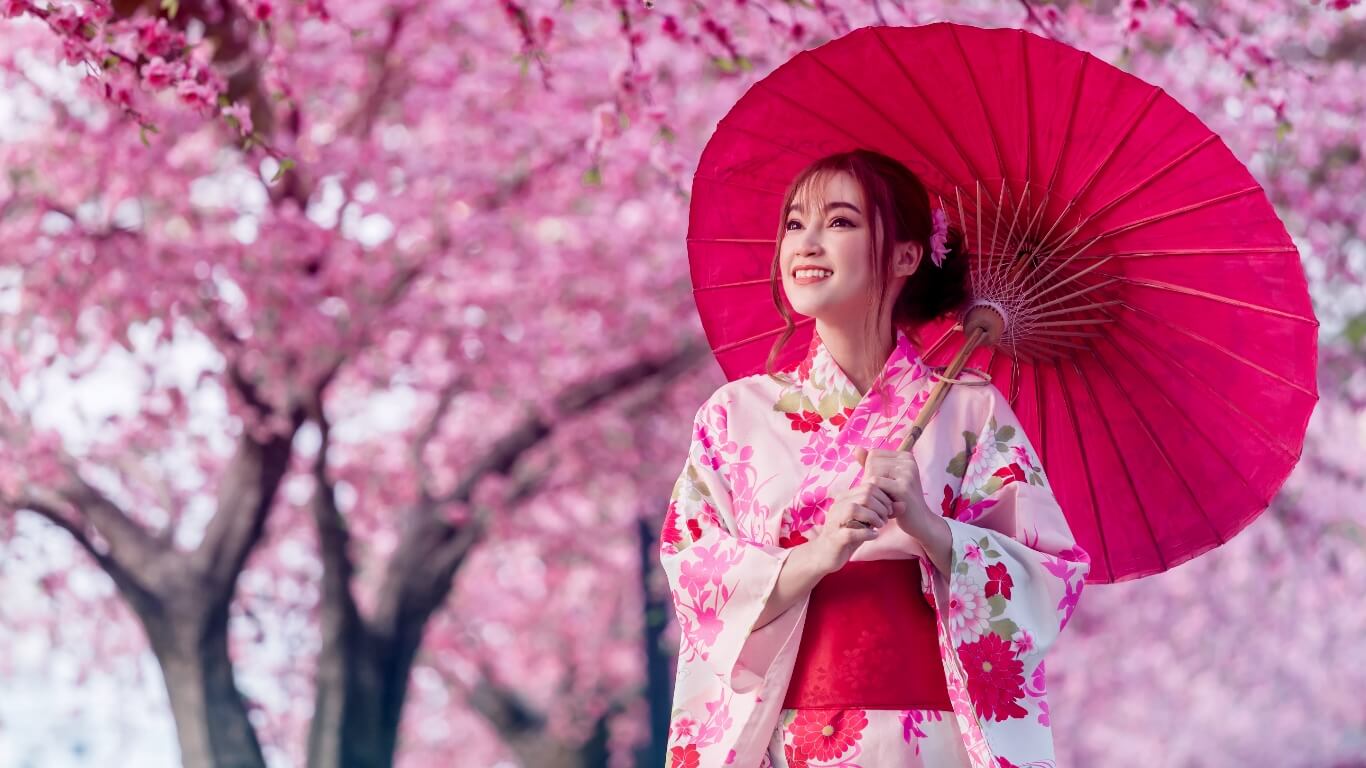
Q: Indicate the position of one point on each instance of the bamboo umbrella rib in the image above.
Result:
(1231, 252)
(768, 139)
(1162, 286)
(856, 93)
(1050, 342)
(735, 240)
(740, 284)
(1047, 284)
(1145, 422)
(1029, 107)
(729, 182)
(981, 102)
(939, 342)
(1033, 332)
(1076, 197)
(1124, 465)
(1153, 219)
(758, 337)
(1065, 310)
(1071, 119)
(1195, 425)
(1222, 349)
(1090, 485)
(1039, 409)
(1138, 187)
(1088, 321)
(1271, 440)
(934, 113)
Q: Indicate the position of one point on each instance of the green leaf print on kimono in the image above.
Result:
(988, 464)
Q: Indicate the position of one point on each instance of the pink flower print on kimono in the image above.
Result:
(1014, 578)
(719, 581)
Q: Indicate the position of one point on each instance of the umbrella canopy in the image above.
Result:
(1161, 348)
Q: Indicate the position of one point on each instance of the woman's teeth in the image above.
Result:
(812, 273)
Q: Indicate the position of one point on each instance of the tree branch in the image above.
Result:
(245, 496)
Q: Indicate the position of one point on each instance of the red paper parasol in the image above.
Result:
(1160, 348)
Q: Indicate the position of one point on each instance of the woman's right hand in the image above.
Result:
(835, 542)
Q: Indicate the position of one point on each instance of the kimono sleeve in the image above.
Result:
(719, 581)
(1015, 571)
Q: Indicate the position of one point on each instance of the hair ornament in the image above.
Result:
(940, 237)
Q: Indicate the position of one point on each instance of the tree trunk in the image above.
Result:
(210, 713)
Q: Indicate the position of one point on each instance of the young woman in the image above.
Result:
(842, 603)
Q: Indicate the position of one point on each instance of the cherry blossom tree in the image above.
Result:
(386, 312)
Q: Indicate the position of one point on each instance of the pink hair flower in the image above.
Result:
(939, 238)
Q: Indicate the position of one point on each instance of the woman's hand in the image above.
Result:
(897, 474)
(839, 536)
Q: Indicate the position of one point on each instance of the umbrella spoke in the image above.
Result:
(1092, 215)
(1124, 466)
(1076, 197)
(934, 113)
(1150, 346)
(1172, 465)
(1090, 484)
(1220, 348)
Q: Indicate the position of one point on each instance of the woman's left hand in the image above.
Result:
(896, 473)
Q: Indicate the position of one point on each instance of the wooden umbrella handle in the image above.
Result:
(984, 325)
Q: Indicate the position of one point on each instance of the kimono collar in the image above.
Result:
(820, 371)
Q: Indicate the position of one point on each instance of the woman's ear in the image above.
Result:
(907, 259)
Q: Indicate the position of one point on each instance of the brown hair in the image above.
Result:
(898, 211)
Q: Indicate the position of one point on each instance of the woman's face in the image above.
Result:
(835, 241)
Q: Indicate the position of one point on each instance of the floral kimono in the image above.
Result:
(765, 463)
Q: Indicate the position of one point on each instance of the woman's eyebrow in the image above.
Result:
(830, 207)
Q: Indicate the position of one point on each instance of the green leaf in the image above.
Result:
(1283, 129)
(998, 604)
(850, 398)
(592, 177)
(959, 465)
(145, 129)
(992, 485)
(789, 403)
(285, 165)
(829, 406)
(1004, 628)
(971, 439)
(1005, 433)
(171, 7)
(993, 554)
(962, 568)
(109, 62)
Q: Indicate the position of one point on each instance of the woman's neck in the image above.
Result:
(849, 348)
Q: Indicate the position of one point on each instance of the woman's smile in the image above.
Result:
(810, 276)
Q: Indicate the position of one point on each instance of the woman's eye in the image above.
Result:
(790, 222)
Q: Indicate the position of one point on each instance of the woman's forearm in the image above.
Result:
(800, 572)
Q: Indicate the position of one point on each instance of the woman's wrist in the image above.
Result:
(814, 559)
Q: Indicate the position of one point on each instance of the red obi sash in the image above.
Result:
(869, 642)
